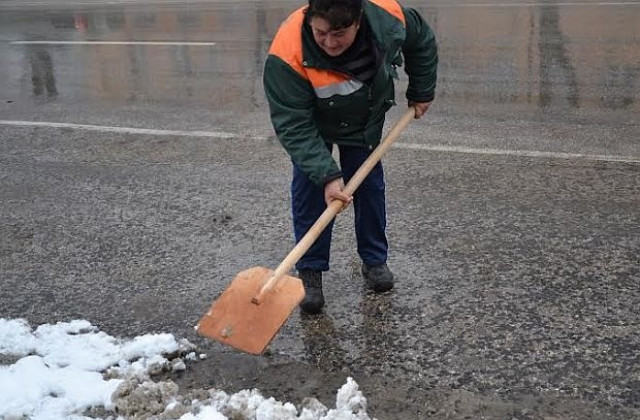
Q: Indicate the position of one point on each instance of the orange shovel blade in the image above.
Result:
(238, 322)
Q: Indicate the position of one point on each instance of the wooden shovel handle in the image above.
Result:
(335, 207)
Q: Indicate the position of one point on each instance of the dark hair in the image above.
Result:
(339, 13)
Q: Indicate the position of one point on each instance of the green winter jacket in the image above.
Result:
(312, 105)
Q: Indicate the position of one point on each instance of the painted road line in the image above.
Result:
(155, 43)
(518, 153)
(125, 130)
(411, 146)
(562, 4)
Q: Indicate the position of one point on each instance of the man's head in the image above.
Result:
(334, 23)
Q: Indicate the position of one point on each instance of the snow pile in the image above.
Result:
(74, 371)
(250, 404)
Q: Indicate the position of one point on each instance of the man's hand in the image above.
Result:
(420, 107)
(333, 191)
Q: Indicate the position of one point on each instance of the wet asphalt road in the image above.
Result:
(513, 207)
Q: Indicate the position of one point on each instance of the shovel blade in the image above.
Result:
(235, 320)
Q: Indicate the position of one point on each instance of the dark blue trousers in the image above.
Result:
(307, 204)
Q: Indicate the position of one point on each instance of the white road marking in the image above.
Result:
(564, 4)
(519, 153)
(411, 146)
(127, 130)
(161, 43)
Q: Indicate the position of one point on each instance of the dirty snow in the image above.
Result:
(72, 370)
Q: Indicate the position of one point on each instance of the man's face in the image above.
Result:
(333, 42)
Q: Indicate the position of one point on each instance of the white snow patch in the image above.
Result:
(67, 368)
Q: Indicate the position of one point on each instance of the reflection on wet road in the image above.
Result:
(543, 55)
(222, 72)
(565, 55)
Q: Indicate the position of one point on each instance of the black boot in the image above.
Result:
(378, 277)
(313, 299)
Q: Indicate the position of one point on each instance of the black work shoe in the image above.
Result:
(378, 277)
(313, 298)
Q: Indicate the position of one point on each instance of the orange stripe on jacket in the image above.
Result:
(287, 45)
(392, 7)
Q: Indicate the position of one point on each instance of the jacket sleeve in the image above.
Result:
(291, 102)
(421, 57)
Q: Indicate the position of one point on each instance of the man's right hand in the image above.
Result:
(333, 191)
(420, 107)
